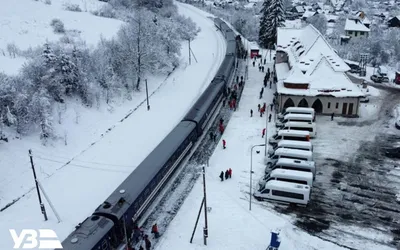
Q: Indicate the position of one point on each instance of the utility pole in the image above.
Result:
(147, 96)
(139, 54)
(205, 230)
(190, 53)
(42, 208)
(266, 133)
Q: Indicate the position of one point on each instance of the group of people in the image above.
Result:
(228, 174)
(138, 235)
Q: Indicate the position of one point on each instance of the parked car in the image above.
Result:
(376, 79)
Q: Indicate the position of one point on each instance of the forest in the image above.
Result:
(148, 43)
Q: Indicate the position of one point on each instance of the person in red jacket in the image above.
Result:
(154, 230)
(224, 144)
(230, 172)
(263, 133)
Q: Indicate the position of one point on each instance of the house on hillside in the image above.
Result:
(355, 28)
(308, 14)
(298, 10)
(311, 74)
(363, 18)
(394, 22)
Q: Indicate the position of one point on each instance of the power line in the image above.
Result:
(82, 161)
(83, 166)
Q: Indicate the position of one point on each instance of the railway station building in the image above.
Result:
(311, 74)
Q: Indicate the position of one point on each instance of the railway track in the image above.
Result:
(167, 204)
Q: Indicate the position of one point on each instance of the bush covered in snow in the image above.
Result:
(149, 44)
(72, 7)
(58, 25)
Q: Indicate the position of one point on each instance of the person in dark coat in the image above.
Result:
(259, 107)
(221, 175)
(270, 85)
(262, 69)
(221, 121)
(269, 118)
(265, 61)
(272, 105)
(237, 78)
(251, 113)
(263, 133)
(254, 63)
(211, 136)
(223, 144)
(147, 242)
(332, 115)
(215, 137)
(226, 174)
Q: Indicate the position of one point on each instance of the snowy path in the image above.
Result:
(231, 224)
(80, 186)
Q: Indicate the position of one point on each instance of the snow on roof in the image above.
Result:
(324, 81)
(305, 45)
(331, 17)
(309, 52)
(365, 20)
(308, 13)
(296, 76)
(299, 9)
(291, 173)
(287, 185)
(355, 25)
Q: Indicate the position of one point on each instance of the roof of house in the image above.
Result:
(299, 9)
(312, 61)
(296, 76)
(305, 45)
(308, 13)
(355, 25)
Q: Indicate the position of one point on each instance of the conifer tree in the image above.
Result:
(264, 23)
(276, 19)
(273, 16)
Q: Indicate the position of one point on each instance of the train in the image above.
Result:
(112, 223)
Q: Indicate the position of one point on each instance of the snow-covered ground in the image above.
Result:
(231, 224)
(79, 176)
(26, 23)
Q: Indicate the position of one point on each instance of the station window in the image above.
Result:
(337, 105)
(329, 105)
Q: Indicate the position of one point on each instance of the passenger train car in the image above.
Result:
(113, 221)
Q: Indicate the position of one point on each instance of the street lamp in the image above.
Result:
(251, 170)
(266, 133)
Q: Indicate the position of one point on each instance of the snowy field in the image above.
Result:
(26, 23)
(105, 146)
(233, 226)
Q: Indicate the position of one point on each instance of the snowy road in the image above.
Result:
(80, 186)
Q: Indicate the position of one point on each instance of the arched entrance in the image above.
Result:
(317, 106)
(288, 103)
(303, 103)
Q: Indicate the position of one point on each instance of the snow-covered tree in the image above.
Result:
(319, 22)
(41, 107)
(263, 37)
(272, 17)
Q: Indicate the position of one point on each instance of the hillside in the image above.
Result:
(26, 23)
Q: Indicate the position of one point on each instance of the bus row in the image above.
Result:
(290, 169)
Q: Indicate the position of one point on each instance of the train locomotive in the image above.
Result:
(113, 221)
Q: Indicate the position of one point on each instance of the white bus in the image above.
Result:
(295, 154)
(285, 192)
(295, 135)
(302, 126)
(290, 164)
(296, 110)
(302, 145)
(294, 118)
(294, 176)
